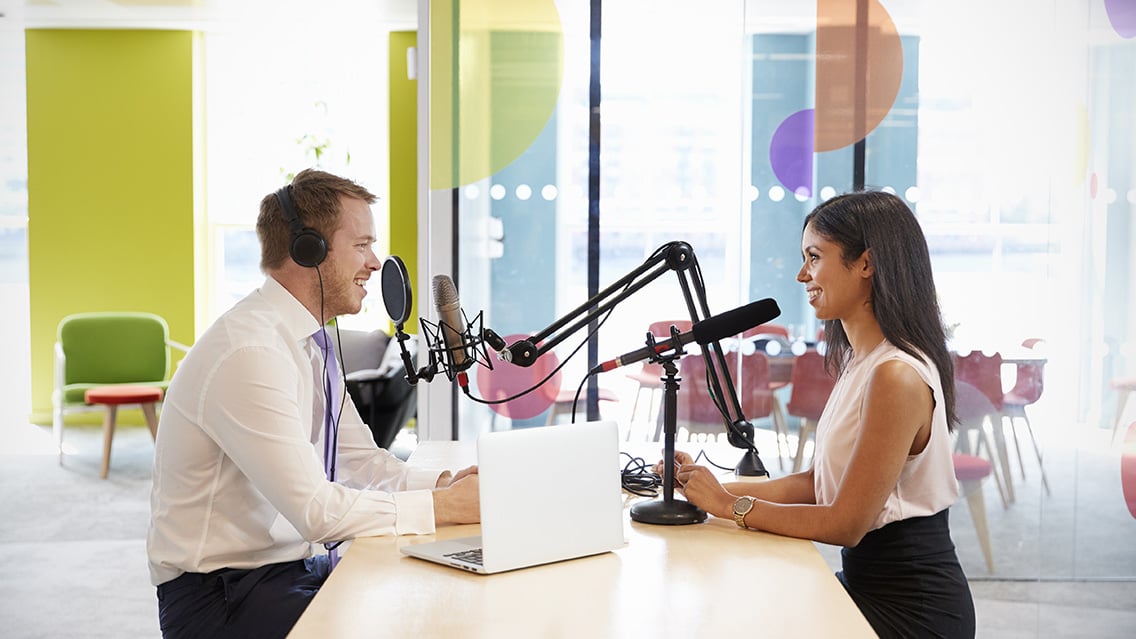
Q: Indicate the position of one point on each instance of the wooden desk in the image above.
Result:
(668, 581)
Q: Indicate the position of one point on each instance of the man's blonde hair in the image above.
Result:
(315, 196)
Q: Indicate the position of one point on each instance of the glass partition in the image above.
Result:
(584, 137)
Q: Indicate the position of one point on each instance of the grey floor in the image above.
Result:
(75, 544)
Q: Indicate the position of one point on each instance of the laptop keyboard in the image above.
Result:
(472, 556)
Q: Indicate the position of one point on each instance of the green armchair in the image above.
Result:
(106, 349)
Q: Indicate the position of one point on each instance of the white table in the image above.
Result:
(699, 580)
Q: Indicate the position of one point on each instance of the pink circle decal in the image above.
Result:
(507, 380)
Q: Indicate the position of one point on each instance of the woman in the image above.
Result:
(882, 477)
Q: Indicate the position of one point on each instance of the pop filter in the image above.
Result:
(396, 290)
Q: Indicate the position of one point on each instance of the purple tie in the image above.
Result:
(330, 415)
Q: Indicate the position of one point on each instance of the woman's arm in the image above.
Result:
(791, 489)
(896, 414)
(797, 488)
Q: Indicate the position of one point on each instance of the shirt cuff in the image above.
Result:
(415, 510)
(422, 478)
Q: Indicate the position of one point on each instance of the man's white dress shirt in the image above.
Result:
(239, 477)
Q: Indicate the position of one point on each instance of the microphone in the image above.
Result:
(708, 330)
(452, 322)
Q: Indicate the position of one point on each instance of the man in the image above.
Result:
(242, 481)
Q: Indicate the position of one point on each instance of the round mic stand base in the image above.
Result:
(668, 513)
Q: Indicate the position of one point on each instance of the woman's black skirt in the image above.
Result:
(906, 579)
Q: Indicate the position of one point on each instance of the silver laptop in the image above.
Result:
(547, 494)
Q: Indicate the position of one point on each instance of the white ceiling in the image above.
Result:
(196, 14)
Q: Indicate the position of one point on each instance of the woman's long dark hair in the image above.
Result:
(903, 294)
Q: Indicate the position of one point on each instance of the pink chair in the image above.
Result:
(767, 329)
(1124, 386)
(975, 414)
(971, 471)
(984, 372)
(811, 386)
(1027, 390)
(698, 414)
(1128, 469)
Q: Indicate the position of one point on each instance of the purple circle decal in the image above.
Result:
(1122, 15)
(791, 152)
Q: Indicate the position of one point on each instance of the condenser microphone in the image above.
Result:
(452, 322)
(711, 329)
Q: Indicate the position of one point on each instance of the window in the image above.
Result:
(288, 90)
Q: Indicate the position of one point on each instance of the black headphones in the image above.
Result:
(307, 248)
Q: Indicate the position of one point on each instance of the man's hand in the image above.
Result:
(447, 478)
(458, 502)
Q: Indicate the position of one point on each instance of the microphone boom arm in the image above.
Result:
(674, 256)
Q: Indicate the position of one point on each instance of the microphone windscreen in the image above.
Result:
(396, 290)
(445, 293)
(735, 321)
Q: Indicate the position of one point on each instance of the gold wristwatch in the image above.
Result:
(742, 506)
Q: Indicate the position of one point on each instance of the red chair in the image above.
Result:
(811, 386)
(697, 413)
(1027, 390)
(649, 375)
(1128, 469)
(970, 471)
(566, 399)
(984, 372)
(767, 329)
(1124, 386)
(975, 414)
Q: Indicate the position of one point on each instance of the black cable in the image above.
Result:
(550, 375)
(584, 381)
(638, 478)
(702, 454)
(332, 352)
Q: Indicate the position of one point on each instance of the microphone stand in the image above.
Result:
(668, 510)
(678, 257)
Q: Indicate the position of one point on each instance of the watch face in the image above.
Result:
(743, 505)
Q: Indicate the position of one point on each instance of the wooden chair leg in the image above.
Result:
(108, 435)
(977, 505)
(807, 429)
(150, 411)
(780, 430)
(986, 440)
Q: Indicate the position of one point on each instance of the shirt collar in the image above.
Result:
(294, 317)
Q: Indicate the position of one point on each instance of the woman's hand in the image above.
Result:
(680, 459)
(701, 488)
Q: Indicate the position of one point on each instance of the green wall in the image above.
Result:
(110, 182)
(404, 161)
